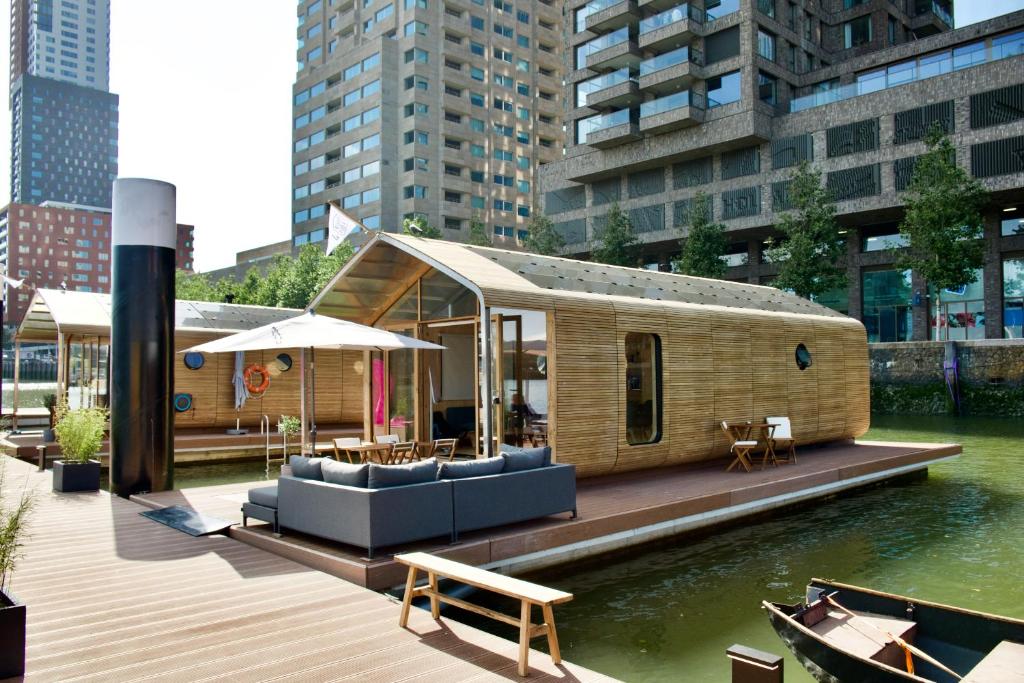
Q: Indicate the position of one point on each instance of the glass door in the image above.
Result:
(511, 418)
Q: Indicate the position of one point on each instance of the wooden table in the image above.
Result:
(758, 431)
(318, 448)
(366, 450)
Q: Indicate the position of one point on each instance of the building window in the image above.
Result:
(887, 305)
(857, 31)
(767, 88)
(643, 388)
(1013, 298)
(1012, 226)
(766, 45)
(962, 315)
(723, 89)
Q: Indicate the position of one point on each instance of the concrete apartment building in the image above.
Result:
(260, 258)
(56, 245)
(666, 99)
(438, 108)
(63, 119)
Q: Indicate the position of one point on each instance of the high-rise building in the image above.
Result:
(667, 100)
(63, 245)
(63, 119)
(435, 108)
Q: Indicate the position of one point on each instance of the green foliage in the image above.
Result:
(417, 226)
(812, 250)
(478, 232)
(80, 433)
(14, 514)
(932, 398)
(943, 222)
(289, 425)
(289, 282)
(704, 245)
(543, 238)
(619, 243)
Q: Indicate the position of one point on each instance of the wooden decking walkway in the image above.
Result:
(113, 596)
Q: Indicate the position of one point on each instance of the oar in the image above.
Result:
(899, 641)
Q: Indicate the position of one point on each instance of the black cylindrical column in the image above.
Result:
(142, 337)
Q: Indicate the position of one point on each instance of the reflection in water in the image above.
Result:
(669, 612)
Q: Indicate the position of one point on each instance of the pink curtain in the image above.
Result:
(377, 378)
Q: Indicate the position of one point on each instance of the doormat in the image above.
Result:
(187, 520)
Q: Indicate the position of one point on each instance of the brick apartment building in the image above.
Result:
(725, 97)
(56, 243)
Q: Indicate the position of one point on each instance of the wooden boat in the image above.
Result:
(854, 635)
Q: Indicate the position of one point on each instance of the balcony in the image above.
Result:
(671, 71)
(674, 27)
(607, 15)
(930, 14)
(681, 110)
(608, 130)
(611, 51)
(616, 89)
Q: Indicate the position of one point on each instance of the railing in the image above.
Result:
(920, 69)
(595, 85)
(921, 7)
(669, 59)
(677, 100)
(32, 369)
(724, 8)
(583, 52)
(588, 127)
(671, 16)
(592, 7)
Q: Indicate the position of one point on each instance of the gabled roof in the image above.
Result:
(368, 282)
(53, 310)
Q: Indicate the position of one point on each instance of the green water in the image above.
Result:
(669, 612)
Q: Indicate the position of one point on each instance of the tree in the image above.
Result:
(193, 287)
(542, 238)
(705, 243)
(478, 232)
(417, 226)
(619, 243)
(309, 273)
(942, 223)
(812, 250)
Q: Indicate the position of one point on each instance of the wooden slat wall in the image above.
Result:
(802, 385)
(339, 388)
(828, 353)
(689, 386)
(771, 361)
(733, 382)
(857, 389)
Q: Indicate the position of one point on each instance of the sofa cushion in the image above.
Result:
(306, 468)
(526, 459)
(544, 450)
(386, 476)
(345, 473)
(470, 468)
(265, 496)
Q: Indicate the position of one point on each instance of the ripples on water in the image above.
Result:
(669, 612)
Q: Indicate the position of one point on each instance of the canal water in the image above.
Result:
(668, 612)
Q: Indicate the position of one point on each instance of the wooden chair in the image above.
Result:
(783, 436)
(740, 448)
(341, 445)
(443, 449)
(386, 438)
(400, 452)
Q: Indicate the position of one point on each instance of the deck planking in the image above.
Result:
(617, 505)
(112, 595)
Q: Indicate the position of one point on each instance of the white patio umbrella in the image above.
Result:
(312, 331)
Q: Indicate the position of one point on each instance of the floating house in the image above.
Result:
(616, 368)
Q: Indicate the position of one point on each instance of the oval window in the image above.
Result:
(803, 357)
(284, 362)
(194, 360)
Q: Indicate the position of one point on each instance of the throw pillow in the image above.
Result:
(345, 473)
(306, 468)
(526, 459)
(386, 476)
(543, 451)
(470, 468)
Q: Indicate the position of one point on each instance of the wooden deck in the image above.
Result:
(615, 511)
(113, 596)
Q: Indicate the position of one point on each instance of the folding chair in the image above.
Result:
(740, 448)
(400, 452)
(342, 444)
(783, 436)
(443, 449)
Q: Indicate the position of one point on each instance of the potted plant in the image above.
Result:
(50, 403)
(288, 425)
(80, 435)
(13, 518)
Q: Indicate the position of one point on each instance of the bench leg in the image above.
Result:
(549, 620)
(524, 638)
(435, 604)
(410, 585)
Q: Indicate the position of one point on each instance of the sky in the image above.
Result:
(205, 88)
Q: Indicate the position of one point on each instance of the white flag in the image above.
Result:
(339, 226)
(11, 282)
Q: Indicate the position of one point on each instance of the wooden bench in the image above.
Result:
(529, 594)
(1004, 664)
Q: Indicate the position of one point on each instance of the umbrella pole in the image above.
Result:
(302, 398)
(312, 397)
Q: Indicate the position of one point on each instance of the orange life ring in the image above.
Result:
(261, 370)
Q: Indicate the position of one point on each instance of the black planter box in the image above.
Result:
(12, 636)
(76, 476)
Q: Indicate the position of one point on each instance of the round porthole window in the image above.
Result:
(284, 362)
(182, 402)
(194, 360)
(803, 357)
